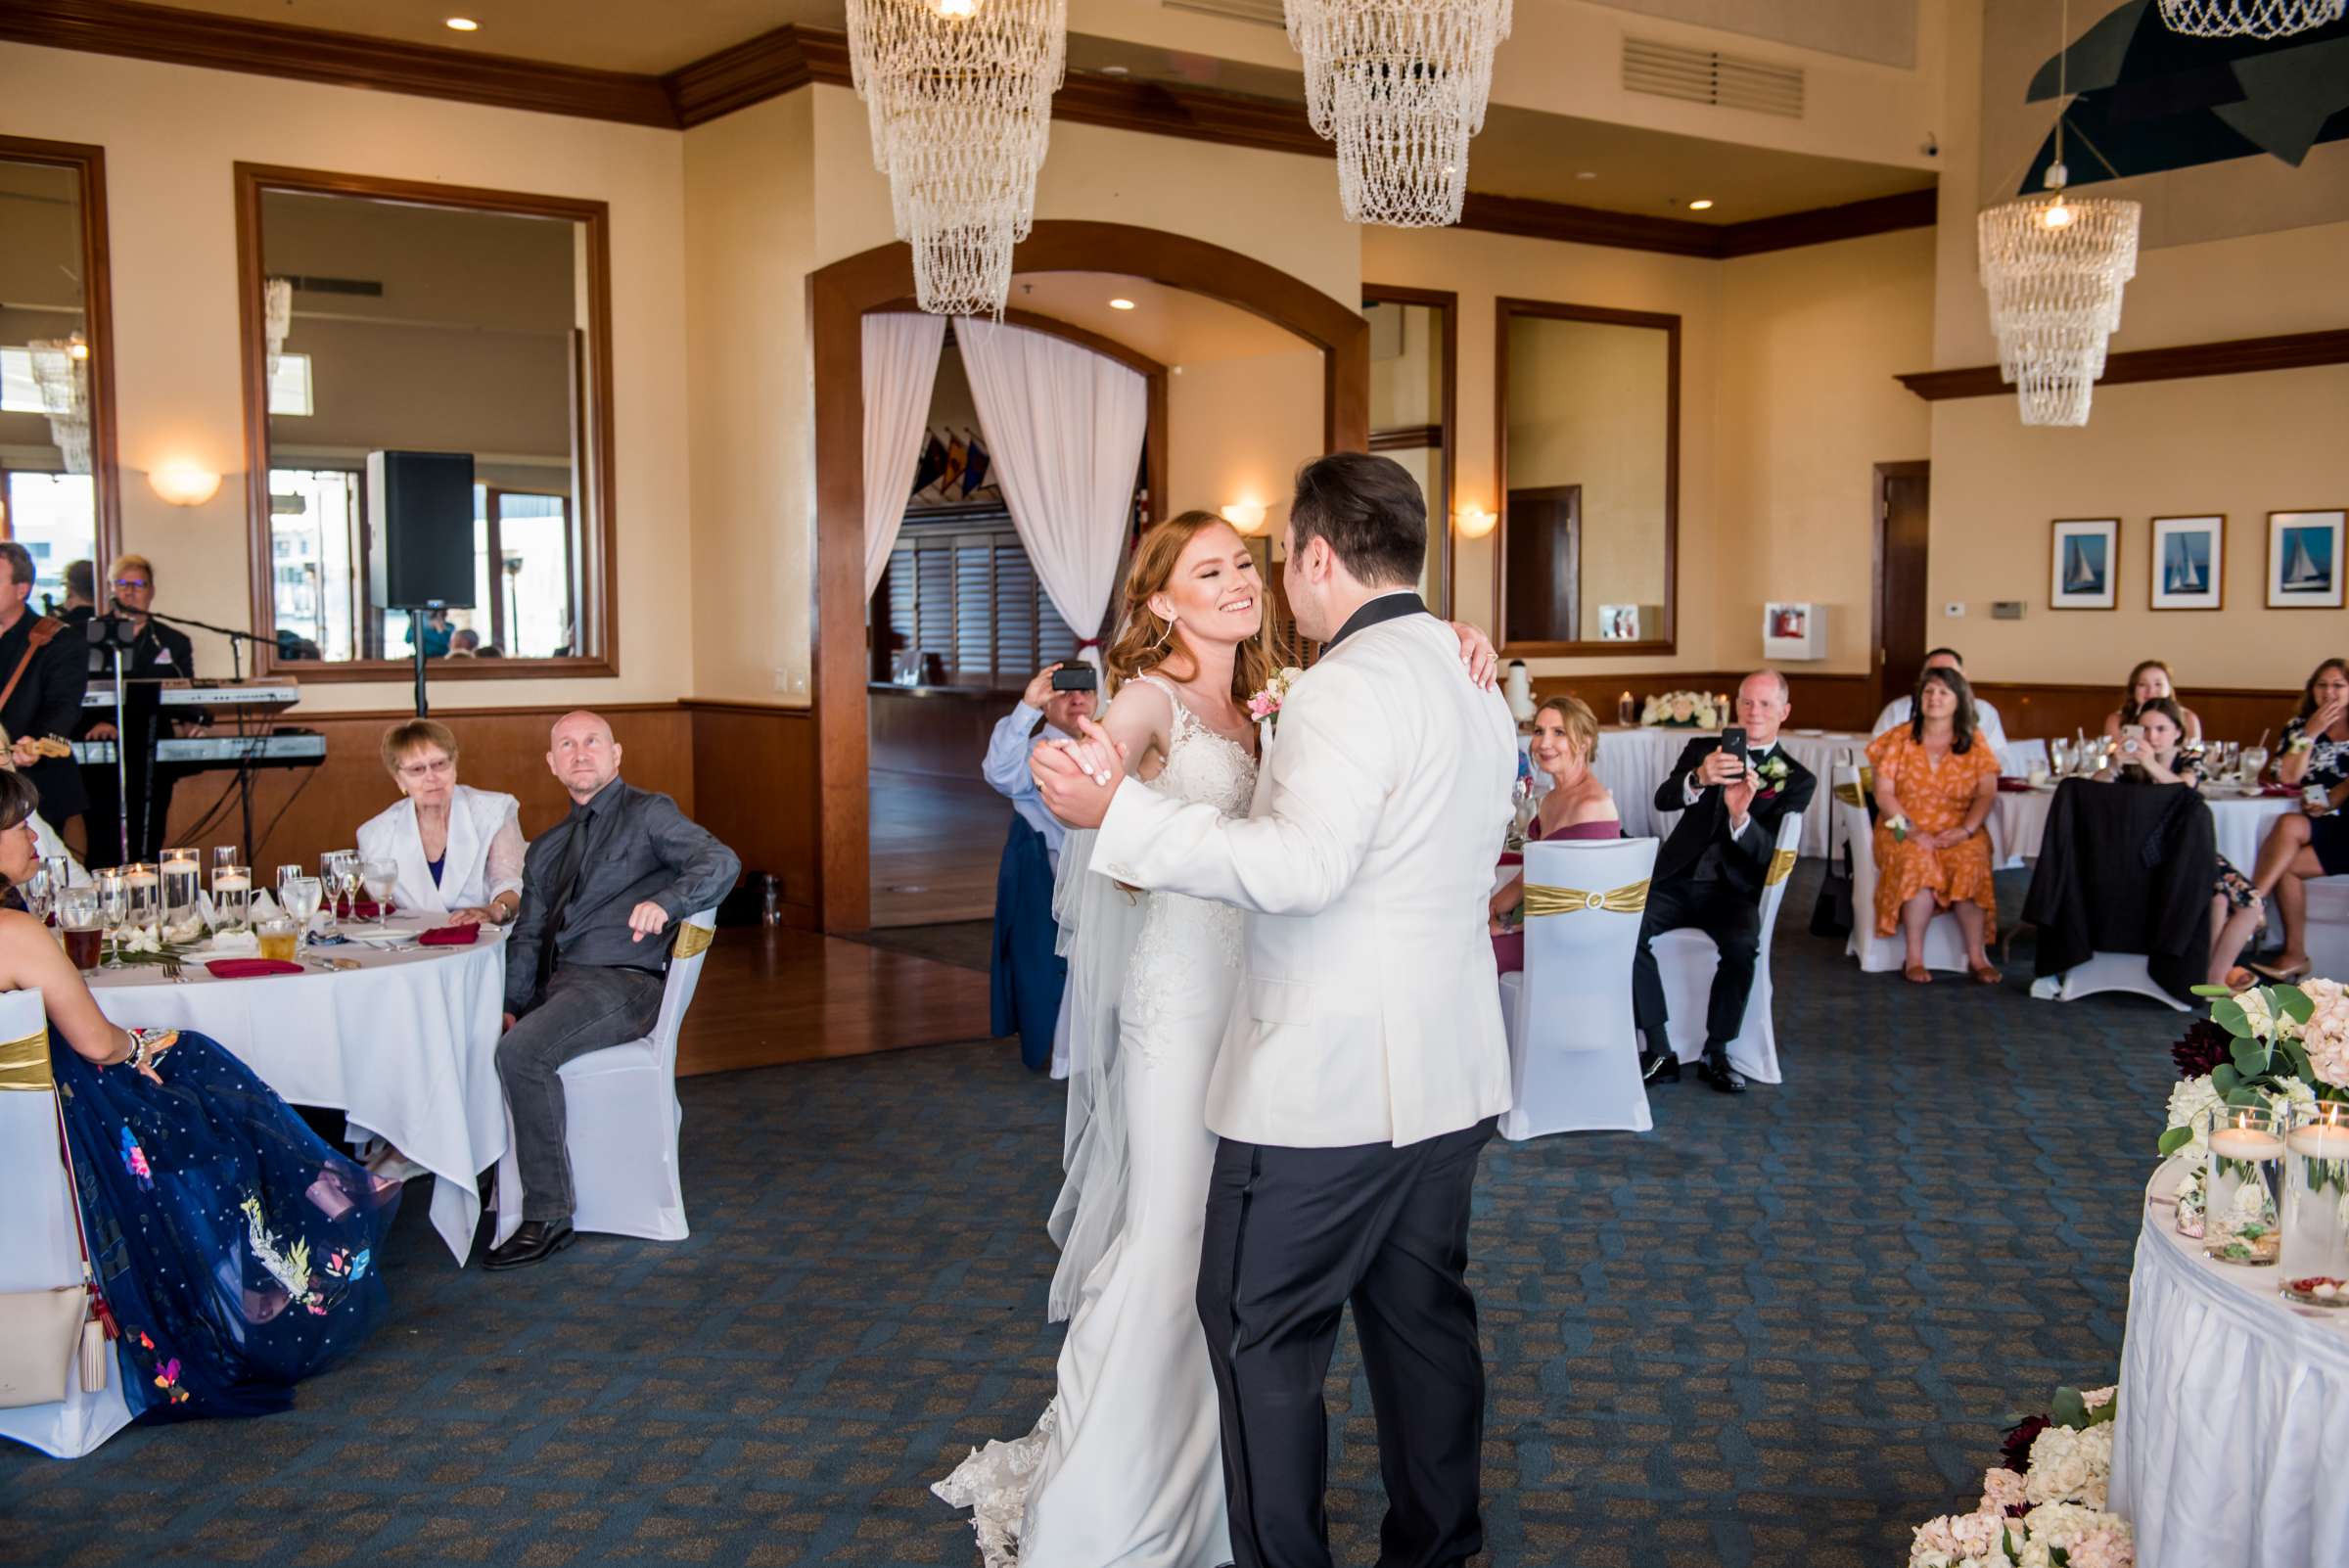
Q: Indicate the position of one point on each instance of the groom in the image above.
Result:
(1364, 1064)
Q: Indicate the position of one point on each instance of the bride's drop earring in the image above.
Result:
(1164, 635)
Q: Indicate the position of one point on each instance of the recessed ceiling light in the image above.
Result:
(1586, 174)
(463, 24)
(1121, 305)
(1113, 71)
(1700, 204)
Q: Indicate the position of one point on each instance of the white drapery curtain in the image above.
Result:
(901, 362)
(1064, 428)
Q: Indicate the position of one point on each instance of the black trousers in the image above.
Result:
(1292, 1236)
(1733, 920)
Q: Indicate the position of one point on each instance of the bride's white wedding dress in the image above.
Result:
(1125, 1469)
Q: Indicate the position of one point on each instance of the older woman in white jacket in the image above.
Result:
(459, 850)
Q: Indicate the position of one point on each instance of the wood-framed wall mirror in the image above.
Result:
(1586, 418)
(393, 315)
(61, 492)
(1414, 401)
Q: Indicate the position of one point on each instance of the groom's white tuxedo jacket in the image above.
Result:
(1368, 1011)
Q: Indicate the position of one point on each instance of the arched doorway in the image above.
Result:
(837, 297)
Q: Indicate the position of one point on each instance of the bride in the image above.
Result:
(1124, 1468)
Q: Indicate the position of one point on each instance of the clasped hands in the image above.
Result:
(1078, 778)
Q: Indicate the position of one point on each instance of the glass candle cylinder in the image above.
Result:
(2314, 1260)
(232, 897)
(143, 897)
(181, 874)
(2239, 1188)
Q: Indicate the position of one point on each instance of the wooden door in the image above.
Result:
(1903, 493)
(1541, 573)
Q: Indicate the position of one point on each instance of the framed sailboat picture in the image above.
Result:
(2086, 549)
(2188, 563)
(2304, 559)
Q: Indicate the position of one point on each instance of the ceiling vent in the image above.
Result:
(1267, 12)
(1708, 77)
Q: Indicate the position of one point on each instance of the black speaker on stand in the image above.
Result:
(420, 550)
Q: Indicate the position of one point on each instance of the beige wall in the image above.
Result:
(1237, 430)
(1588, 405)
(172, 134)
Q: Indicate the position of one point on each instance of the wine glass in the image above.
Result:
(114, 908)
(330, 878)
(302, 897)
(286, 874)
(2059, 753)
(39, 894)
(380, 877)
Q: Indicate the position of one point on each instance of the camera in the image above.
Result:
(1078, 676)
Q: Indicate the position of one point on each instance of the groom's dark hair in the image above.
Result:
(1370, 511)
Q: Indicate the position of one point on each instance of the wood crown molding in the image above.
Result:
(2236, 356)
(788, 58)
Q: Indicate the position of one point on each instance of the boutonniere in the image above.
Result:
(1772, 769)
(1263, 704)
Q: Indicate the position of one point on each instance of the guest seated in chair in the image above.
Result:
(1711, 872)
(459, 850)
(1027, 974)
(2160, 755)
(584, 967)
(1901, 710)
(2314, 841)
(1578, 806)
(1935, 781)
(238, 1253)
(2147, 681)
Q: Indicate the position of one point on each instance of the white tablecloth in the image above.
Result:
(405, 1046)
(1632, 763)
(2020, 820)
(2234, 1412)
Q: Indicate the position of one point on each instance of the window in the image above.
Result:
(315, 588)
(51, 515)
(290, 391)
(20, 394)
(960, 606)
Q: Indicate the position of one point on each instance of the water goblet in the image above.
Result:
(380, 877)
(303, 896)
(39, 896)
(114, 906)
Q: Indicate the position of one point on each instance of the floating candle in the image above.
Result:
(2245, 1143)
(2322, 1140)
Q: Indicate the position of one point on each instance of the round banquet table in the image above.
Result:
(2233, 1410)
(1632, 764)
(2020, 820)
(405, 1045)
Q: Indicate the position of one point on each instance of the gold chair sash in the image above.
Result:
(693, 941)
(1541, 900)
(25, 1063)
(1782, 866)
(1848, 791)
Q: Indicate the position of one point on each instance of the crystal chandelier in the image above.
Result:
(1401, 86)
(2248, 18)
(960, 95)
(277, 318)
(2053, 266)
(61, 373)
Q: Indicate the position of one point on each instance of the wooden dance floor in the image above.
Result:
(772, 994)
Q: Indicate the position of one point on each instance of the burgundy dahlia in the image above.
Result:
(2205, 1047)
(2019, 1437)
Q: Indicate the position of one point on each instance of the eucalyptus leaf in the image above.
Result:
(2069, 1408)
(2292, 1000)
(2250, 1058)
(2229, 1016)
(2248, 1096)
(2175, 1139)
(2225, 1078)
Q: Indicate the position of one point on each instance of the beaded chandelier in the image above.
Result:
(61, 373)
(2248, 18)
(960, 95)
(1401, 86)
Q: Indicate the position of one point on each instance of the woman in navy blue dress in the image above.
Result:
(236, 1253)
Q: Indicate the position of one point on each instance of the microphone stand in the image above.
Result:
(244, 754)
(234, 635)
(122, 757)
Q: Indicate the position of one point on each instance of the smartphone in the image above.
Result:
(2133, 737)
(1733, 740)
(1078, 676)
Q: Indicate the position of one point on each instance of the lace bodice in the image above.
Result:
(1178, 932)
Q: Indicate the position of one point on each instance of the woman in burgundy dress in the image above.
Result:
(1578, 806)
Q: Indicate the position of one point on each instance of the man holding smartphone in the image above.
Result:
(1733, 794)
(1028, 974)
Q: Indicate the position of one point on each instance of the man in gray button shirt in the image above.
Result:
(585, 962)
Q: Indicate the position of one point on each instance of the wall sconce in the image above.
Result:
(184, 484)
(1473, 522)
(1246, 516)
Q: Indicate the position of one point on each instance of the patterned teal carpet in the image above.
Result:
(1781, 1329)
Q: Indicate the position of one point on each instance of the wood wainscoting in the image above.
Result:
(753, 771)
(1820, 701)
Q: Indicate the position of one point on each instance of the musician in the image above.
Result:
(43, 670)
(81, 594)
(162, 651)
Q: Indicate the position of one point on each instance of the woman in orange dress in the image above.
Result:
(1939, 782)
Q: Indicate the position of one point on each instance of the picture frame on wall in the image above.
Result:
(2304, 559)
(2085, 563)
(2189, 562)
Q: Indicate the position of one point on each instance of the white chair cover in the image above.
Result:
(38, 1248)
(1687, 959)
(1945, 939)
(1574, 1053)
(2017, 757)
(622, 1117)
(2327, 935)
(2108, 971)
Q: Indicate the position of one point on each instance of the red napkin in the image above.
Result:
(367, 910)
(2280, 792)
(247, 968)
(2013, 786)
(1509, 857)
(450, 936)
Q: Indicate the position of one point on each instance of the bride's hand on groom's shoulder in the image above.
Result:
(1478, 655)
(1078, 777)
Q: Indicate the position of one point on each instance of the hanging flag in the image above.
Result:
(957, 456)
(932, 464)
(975, 466)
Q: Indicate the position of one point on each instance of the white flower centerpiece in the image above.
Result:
(2045, 1507)
(1680, 710)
